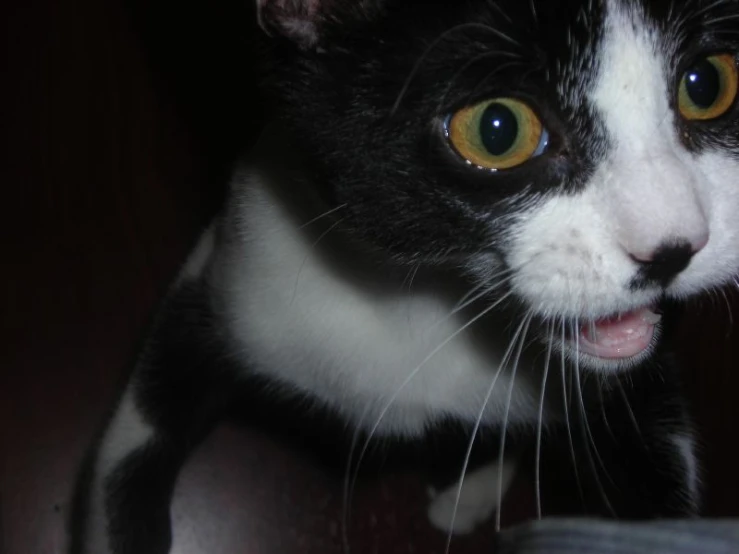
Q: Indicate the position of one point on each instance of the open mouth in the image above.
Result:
(620, 336)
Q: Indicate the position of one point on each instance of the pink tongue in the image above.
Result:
(619, 336)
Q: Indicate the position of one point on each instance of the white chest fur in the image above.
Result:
(377, 353)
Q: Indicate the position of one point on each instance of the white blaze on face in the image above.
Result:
(576, 251)
(648, 183)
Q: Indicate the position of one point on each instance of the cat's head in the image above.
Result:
(583, 155)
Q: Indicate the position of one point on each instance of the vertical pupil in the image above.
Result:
(498, 129)
(703, 84)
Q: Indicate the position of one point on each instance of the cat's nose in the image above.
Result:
(664, 263)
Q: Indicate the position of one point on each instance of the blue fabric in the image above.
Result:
(578, 536)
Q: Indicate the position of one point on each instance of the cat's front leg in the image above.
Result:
(172, 399)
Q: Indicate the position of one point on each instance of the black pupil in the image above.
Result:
(703, 84)
(498, 129)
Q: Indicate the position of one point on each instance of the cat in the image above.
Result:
(467, 217)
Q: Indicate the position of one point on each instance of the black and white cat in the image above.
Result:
(468, 215)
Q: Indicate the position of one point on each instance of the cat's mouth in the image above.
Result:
(617, 337)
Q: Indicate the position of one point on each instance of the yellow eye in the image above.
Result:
(708, 88)
(497, 134)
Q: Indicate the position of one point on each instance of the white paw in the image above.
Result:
(477, 502)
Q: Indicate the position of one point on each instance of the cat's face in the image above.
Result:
(582, 154)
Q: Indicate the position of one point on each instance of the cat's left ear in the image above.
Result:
(304, 21)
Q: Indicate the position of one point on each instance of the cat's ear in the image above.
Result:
(304, 21)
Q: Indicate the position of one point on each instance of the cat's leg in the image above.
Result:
(483, 490)
(174, 396)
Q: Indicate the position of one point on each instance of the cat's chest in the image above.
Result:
(392, 357)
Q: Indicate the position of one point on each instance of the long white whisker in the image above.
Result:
(412, 274)
(446, 34)
(348, 486)
(585, 427)
(709, 7)
(307, 255)
(468, 300)
(632, 417)
(405, 383)
(563, 363)
(603, 411)
(715, 20)
(537, 469)
(497, 279)
(476, 428)
(501, 453)
(324, 214)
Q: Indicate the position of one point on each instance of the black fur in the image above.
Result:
(369, 107)
(185, 382)
(364, 93)
(627, 466)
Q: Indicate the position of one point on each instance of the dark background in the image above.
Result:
(120, 121)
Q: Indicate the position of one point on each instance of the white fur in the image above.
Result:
(126, 433)
(200, 256)
(686, 447)
(349, 341)
(478, 500)
(574, 251)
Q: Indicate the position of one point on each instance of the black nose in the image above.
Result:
(665, 263)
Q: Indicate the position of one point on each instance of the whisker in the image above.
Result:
(712, 294)
(405, 382)
(583, 412)
(470, 297)
(484, 81)
(324, 214)
(501, 454)
(461, 305)
(537, 469)
(410, 276)
(504, 15)
(500, 278)
(470, 63)
(307, 255)
(464, 303)
(532, 5)
(585, 429)
(433, 45)
(603, 412)
(563, 363)
(476, 428)
(348, 489)
(632, 417)
(708, 8)
(716, 20)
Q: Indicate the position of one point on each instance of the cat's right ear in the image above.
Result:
(303, 21)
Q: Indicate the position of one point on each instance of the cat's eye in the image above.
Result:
(708, 88)
(497, 134)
